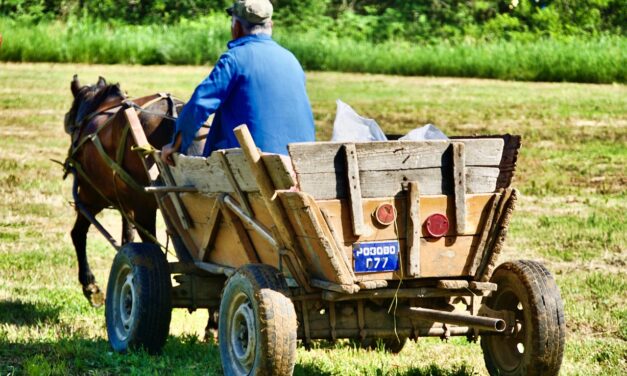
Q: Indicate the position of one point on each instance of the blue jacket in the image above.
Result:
(257, 83)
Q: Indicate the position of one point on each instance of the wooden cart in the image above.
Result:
(376, 242)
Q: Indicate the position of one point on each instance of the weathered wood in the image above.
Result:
(241, 198)
(354, 189)
(205, 174)
(212, 229)
(279, 168)
(253, 158)
(325, 259)
(322, 157)
(139, 136)
(452, 284)
(176, 204)
(484, 234)
(484, 286)
(238, 228)
(414, 229)
(198, 208)
(339, 243)
(434, 181)
(325, 285)
(250, 221)
(338, 213)
(166, 204)
(459, 183)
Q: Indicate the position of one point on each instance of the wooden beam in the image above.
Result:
(414, 229)
(214, 224)
(243, 201)
(459, 176)
(266, 188)
(354, 190)
(141, 141)
(242, 235)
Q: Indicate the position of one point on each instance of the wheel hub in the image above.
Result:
(124, 301)
(243, 334)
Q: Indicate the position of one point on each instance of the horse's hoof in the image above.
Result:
(94, 295)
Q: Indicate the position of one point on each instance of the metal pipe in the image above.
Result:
(167, 189)
(485, 323)
(255, 225)
(90, 217)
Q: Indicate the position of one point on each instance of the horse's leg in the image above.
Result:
(128, 233)
(85, 276)
(147, 219)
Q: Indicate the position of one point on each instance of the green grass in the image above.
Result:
(576, 59)
(571, 173)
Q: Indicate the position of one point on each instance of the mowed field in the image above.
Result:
(572, 175)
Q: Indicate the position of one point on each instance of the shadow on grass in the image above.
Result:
(27, 314)
(310, 369)
(184, 355)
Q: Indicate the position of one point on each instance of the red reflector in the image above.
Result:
(385, 214)
(437, 225)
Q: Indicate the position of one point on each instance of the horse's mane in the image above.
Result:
(111, 90)
(91, 98)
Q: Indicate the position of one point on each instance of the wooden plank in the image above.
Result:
(441, 257)
(414, 230)
(241, 198)
(241, 170)
(459, 183)
(242, 235)
(339, 216)
(281, 222)
(354, 189)
(213, 224)
(279, 168)
(435, 181)
(324, 258)
(137, 131)
(322, 157)
(484, 234)
(198, 208)
(205, 174)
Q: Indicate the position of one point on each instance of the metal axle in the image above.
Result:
(484, 323)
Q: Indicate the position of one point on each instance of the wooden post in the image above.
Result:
(354, 189)
(414, 229)
(140, 140)
(459, 179)
(266, 188)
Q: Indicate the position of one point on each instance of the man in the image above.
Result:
(257, 83)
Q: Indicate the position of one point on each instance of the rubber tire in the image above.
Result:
(273, 318)
(542, 317)
(392, 345)
(151, 310)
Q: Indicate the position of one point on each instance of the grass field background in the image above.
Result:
(571, 173)
(598, 59)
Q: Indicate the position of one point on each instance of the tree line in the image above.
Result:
(373, 20)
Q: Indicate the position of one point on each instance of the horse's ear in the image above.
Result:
(75, 85)
(101, 82)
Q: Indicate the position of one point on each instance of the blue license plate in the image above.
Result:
(376, 256)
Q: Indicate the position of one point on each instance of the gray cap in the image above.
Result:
(253, 11)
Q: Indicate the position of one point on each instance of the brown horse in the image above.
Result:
(98, 110)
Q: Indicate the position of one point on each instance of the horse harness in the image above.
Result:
(71, 165)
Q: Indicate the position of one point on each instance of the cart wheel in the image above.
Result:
(390, 344)
(536, 345)
(257, 323)
(138, 307)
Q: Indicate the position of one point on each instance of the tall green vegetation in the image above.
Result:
(548, 40)
(365, 19)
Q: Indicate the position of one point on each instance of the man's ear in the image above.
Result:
(75, 86)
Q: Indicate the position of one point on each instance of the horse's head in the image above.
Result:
(87, 99)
